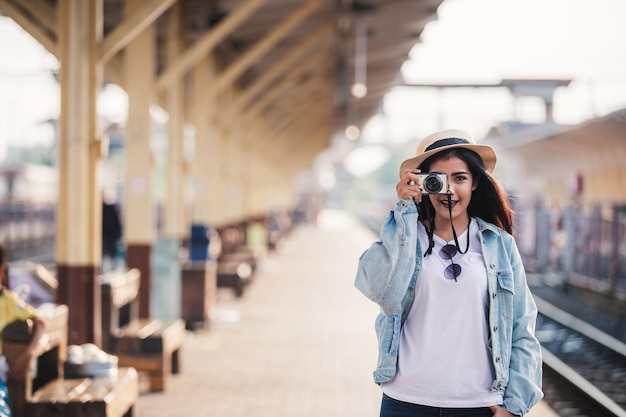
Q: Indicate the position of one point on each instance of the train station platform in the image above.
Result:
(299, 343)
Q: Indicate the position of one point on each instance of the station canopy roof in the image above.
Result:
(294, 62)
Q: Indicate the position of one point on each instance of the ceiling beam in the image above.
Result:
(313, 116)
(114, 71)
(47, 37)
(309, 113)
(234, 71)
(300, 154)
(205, 45)
(42, 36)
(278, 90)
(131, 26)
(43, 12)
(291, 118)
(307, 90)
(285, 64)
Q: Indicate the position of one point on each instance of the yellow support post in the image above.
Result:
(138, 215)
(79, 210)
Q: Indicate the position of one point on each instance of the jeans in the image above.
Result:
(396, 408)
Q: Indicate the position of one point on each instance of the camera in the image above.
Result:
(433, 183)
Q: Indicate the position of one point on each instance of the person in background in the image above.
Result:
(111, 235)
(456, 331)
(13, 308)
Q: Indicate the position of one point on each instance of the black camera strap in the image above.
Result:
(456, 239)
(430, 230)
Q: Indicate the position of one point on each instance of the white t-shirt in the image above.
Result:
(444, 359)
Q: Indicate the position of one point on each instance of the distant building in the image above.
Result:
(28, 183)
(585, 163)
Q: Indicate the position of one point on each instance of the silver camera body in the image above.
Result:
(433, 183)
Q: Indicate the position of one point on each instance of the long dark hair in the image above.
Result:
(489, 200)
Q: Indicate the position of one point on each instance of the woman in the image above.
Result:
(456, 329)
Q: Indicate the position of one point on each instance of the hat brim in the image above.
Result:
(486, 153)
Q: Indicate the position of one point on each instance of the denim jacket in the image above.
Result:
(387, 273)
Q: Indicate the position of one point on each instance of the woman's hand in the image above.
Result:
(500, 412)
(408, 186)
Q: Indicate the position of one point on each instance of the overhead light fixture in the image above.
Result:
(353, 132)
(359, 87)
(359, 90)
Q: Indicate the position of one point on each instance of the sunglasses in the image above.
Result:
(453, 270)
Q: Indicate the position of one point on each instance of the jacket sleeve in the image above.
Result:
(525, 368)
(385, 268)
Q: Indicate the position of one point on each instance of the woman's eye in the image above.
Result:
(460, 178)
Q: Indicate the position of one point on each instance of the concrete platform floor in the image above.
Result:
(299, 343)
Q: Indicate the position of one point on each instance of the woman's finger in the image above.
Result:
(408, 189)
(409, 175)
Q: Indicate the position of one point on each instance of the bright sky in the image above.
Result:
(485, 41)
(477, 41)
(28, 95)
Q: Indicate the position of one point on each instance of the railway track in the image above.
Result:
(584, 368)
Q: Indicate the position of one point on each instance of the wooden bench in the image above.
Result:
(240, 254)
(236, 268)
(112, 396)
(234, 274)
(51, 352)
(198, 293)
(149, 345)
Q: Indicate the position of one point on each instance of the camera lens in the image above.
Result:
(433, 184)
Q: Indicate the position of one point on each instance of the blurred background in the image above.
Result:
(467, 71)
(542, 81)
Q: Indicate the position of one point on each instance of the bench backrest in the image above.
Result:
(119, 301)
(51, 352)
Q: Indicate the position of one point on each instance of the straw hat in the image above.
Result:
(448, 139)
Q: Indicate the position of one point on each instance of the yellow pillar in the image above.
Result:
(166, 291)
(227, 189)
(139, 216)
(174, 225)
(214, 180)
(203, 164)
(79, 210)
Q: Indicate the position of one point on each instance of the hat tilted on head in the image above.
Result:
(448, 139)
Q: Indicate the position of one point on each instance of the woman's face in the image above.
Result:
(461, 187)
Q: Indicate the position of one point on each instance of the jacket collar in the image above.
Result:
(484, 225)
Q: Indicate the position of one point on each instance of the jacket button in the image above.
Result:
(498, 359)
(495, 294)
(492, 266)
(495, 328)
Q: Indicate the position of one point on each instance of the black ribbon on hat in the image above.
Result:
(446, 142)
